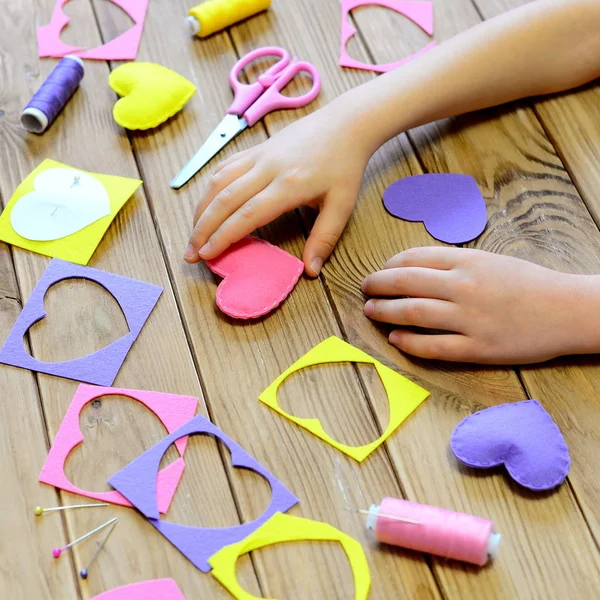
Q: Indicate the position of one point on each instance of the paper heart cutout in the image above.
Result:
(258, 277)
(151, 94)
(62, 202)
(522, 436)
(154, 589)
(450, 205)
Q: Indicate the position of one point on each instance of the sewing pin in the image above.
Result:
(84, 572)
(74, 184)
(58, 551)
(362, 511)
(38, 511)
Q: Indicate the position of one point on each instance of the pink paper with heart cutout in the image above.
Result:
(172, 410)
(258, 277)
(420, 13)
(154, 589)
(123, 47)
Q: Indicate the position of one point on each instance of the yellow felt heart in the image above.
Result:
(151, 94)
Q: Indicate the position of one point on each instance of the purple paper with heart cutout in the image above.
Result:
(137, 482)
(450, 206)
(521, 436)
(137, 300)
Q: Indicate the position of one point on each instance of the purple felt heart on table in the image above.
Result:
(522, 436)
(450, 206)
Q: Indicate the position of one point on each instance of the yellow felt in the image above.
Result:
(404, 396)
(81, 245)
(151, 94)
(215, 15)
(286, 528)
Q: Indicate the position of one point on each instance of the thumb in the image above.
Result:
(325, 233)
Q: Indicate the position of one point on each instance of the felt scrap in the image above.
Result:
(420, 13)
(137, 300)
(151, 94)
(78, 246)
(258, 277)
(286, 528)
(123, 47)
(154, 589)
(137, 482)
(172, 410)
(404, 396)
(521, 436)
(450, 205)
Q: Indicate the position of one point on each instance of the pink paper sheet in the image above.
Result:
(173, 411)
(155, 589)
(123, 47)
(420, 13)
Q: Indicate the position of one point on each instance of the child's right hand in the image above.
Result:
(317, 161)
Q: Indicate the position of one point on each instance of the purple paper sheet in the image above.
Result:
(137, 482)
(521, 436)
(450, 206)
(136, 299)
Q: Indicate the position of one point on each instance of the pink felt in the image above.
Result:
(257, 277)
(173, 411)
(155, 589)
(123, 47)
(420, 13)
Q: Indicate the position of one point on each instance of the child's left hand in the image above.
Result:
(499, 309)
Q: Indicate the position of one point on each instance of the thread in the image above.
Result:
(215, 15)
(434, 530)
(53, 95)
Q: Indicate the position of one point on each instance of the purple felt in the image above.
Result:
(450, 206)
(137, 482)
(136, 298)
(521, 436)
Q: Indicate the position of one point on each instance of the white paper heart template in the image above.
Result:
(63, 202)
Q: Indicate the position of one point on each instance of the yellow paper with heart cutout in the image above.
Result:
(152, 94)
(404, 396)
(65, 231)
(282, 528)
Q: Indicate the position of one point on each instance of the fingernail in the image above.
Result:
(363, 286)
(369, 308)
(394, 337)
(189, 252)
(204, 249)
(316, 265)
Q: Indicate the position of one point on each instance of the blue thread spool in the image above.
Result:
(55, 92)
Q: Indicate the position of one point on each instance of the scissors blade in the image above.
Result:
(228, 128)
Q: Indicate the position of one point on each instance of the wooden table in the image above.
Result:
(538, 164)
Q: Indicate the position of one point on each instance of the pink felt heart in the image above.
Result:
(257, 277)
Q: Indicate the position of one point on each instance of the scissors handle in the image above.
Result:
(246, 94)
(272, 99)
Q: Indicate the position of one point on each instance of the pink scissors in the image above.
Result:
(252, 102)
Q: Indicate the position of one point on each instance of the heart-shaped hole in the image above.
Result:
(92, 321)
(369, 20)
(203, 497)
(113, 20)
(299, 570)
(303, 395)
(115, 430)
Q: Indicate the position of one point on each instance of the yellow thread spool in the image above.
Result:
(214, 15)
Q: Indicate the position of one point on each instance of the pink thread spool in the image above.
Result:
(434, 530)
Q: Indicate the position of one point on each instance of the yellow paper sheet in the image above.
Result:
(81, 245)
(404, 396)
(286, 528)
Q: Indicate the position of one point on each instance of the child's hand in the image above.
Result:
(501, 310)
(317, 161)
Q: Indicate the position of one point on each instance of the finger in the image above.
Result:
(415, 312)
(432, 257)
(326, 232)
(231, 159)
(455, 348)
(226, 203)
(409, 281)
(260, 210)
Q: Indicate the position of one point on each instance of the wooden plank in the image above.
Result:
(85, 136)
(324, 479)
(512, 160)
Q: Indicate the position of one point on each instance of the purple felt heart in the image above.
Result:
(450, 206)
(522, 436)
